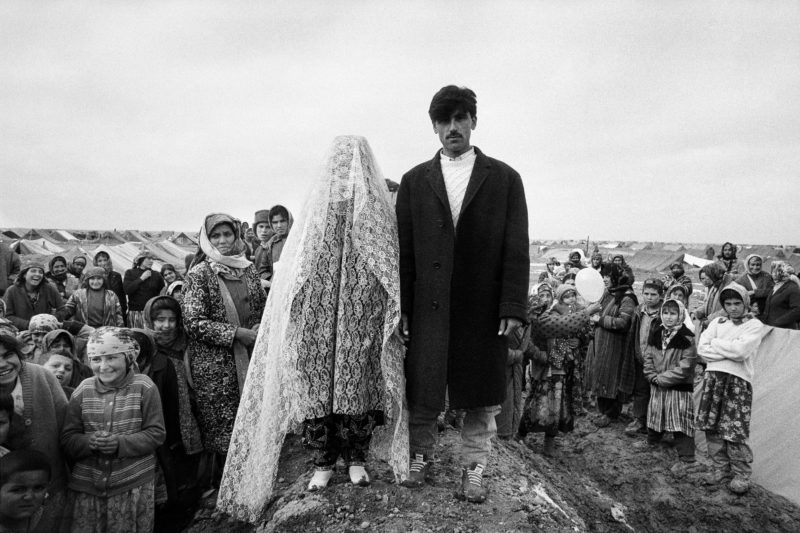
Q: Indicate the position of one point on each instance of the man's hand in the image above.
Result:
(146, 274)
(508, 325)
(401, 331)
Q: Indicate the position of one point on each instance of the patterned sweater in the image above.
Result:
(131, 411)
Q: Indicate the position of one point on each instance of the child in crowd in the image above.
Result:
(669, 360)
(62, 367)
(24, 479)
(728, 346)
(568, 302)
(637, 385)
(6, 414)
(93, 303)
(113, 426)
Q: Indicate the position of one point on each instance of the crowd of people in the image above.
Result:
(124, 400)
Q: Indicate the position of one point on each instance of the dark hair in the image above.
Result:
(452, 99)
(654, 283)
(678, 287)
(729, 294)
(23, 460)
(7, 405)
(101, 252)
(671, 304)
(278, 210)
(11, 344)
(168, 303)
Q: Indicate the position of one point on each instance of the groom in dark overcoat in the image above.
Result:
(464, 269)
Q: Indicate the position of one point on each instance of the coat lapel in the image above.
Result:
(436, 181)
(479, 174)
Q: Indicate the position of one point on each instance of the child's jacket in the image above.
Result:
(673, 366)
(133, 413)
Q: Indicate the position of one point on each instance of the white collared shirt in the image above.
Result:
(456, 172)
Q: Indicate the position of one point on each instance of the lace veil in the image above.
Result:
(274, 400)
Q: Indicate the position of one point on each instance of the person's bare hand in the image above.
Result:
(246, 336)
(508, 325)
(146, 274)
(402, 329)
(593, 308)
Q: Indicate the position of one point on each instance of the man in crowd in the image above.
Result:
(461, 297)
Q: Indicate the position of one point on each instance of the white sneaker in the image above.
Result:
(320, 479)
(358, 475)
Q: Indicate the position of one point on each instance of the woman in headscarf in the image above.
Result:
(758, 283)
(782, 306)
(549, 274)
(712, 276)
(31, 295)
(141, 283)
(610, 344)
(113, 281)
(93, 303)
(678, 275)
(575, 259)
(327, 359)
(38, 327)
(59, 276)
(77, 266)
(727, 258)
(222, 306)
(173, 282)
(619, 260)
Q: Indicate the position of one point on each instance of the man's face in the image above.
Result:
(279, 225)
(454, 133)
(262, 231)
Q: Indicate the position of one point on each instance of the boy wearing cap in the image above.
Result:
(261, 259)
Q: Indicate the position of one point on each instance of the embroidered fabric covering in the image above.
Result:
(348, 285)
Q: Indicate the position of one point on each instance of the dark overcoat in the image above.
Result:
(458, 282)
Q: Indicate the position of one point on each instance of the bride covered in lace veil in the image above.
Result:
(326, 364)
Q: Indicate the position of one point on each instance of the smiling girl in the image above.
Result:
(114, 425)
(93, 304)
(31, 295)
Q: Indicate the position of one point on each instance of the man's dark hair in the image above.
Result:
(278, 210)
(452, 99)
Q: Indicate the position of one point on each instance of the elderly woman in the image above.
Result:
(757, 282)
(40, 406)
(327, 359)
(782, 306)
(31, 295)
(141, 283)
(113, 281)
(222, 306)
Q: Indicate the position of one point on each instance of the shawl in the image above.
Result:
(275, 397)
(671, 331)
(230, 266)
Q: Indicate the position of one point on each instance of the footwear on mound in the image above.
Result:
(320, 479)
(740, 484)
(716, 476)
(549, 448)
(636, 428)
(358, 475)
(472, 488)
(417, 472)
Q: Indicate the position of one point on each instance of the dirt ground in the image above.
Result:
(599, 480)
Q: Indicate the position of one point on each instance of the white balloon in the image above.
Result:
(589, 284)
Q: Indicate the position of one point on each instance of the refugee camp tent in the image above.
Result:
(610, 245)
(654, 260)
(641, 246)
(38, 247)
(169, 252)
(110, 238)
(63, 235)
(184, 239)
(10, 235)
(775, 418)
(694, 261)
(673, 248)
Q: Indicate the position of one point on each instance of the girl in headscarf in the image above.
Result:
(728, 347)
(77, 266)
(727, 258)
(669, 360)
(113, 449)
(678, 275)
(39, 326)
(31, 295)
(782, 306)
(327, 359)
(93, 303)
(597, 260)
(757, 281)
(141, 283)
(575, 259)
(222, 306)
(113, 281)
(58, 274)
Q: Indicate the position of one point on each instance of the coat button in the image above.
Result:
(28, 421)
(437, 265)
(435, 305)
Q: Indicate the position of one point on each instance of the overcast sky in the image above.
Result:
(667, 121)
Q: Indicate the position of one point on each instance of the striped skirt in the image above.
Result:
(670, 410)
